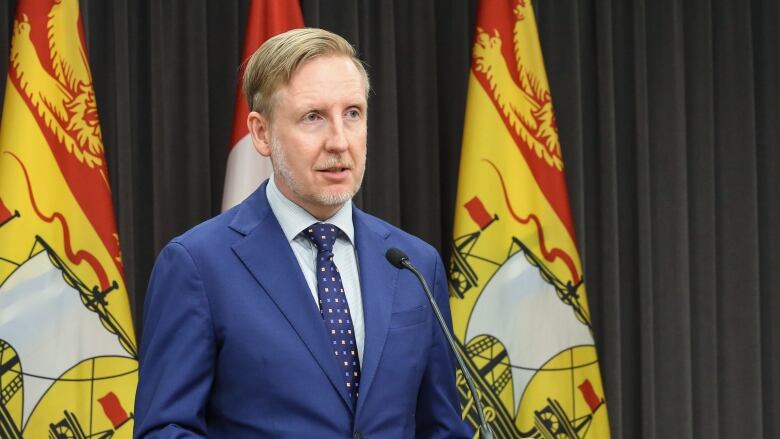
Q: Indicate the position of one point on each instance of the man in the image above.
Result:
(281, 317)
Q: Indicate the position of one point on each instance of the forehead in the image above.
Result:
(325, 80)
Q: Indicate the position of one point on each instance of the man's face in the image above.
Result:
(317, 138)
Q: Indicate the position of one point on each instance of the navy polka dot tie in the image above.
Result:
(334, 307)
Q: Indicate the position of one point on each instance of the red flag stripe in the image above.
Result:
(113, 409)
(590, 396)
(477, 212)
(5, 214)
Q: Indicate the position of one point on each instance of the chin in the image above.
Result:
(334, 198)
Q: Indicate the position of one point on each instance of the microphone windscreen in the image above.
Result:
(396, 257)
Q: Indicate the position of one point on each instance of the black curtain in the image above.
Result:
(669, 118)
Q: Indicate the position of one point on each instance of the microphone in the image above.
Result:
(399, 260)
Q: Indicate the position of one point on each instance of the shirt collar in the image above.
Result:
(293, 218)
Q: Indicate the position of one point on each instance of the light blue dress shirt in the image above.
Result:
(294, 219)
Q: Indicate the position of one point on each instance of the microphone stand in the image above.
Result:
(400, 260)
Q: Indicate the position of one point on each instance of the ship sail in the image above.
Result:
(541, 326)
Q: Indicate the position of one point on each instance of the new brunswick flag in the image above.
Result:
(518, 298)
(68, 362)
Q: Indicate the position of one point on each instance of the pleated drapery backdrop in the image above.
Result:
(669, 119)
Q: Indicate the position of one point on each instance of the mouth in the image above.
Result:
(335, 172)
(336, 168)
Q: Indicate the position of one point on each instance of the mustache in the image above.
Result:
(335, 162)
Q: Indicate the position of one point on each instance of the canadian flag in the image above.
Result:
(245, 167)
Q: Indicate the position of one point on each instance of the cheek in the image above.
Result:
(358, 143)
(300, 152)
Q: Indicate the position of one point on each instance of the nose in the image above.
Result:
(337, 137)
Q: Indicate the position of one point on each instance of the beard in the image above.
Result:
(283, 171)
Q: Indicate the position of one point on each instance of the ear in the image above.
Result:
(260, 130)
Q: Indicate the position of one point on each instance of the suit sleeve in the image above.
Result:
(438, 405)
(177, 351)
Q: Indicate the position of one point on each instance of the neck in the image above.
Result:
(318, 210)
(323, 214)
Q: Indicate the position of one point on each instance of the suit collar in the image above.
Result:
(251, 212)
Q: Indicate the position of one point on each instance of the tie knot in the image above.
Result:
(323, 235)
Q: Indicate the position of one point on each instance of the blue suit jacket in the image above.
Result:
(234, 346)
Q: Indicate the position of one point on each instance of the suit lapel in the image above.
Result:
(378, 286)
(267, 255)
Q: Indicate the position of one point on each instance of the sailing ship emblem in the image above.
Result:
(57, 336)
(543, 339)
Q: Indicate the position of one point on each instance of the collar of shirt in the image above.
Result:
(293, 218)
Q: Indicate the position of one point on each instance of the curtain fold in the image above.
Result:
(766, 56)
(669, 119)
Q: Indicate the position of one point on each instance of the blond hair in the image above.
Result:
(274, 63)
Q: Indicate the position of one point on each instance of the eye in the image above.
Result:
(353, 113)
(311, 117)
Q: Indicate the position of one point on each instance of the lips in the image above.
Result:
(335, 169)
(335, 172)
